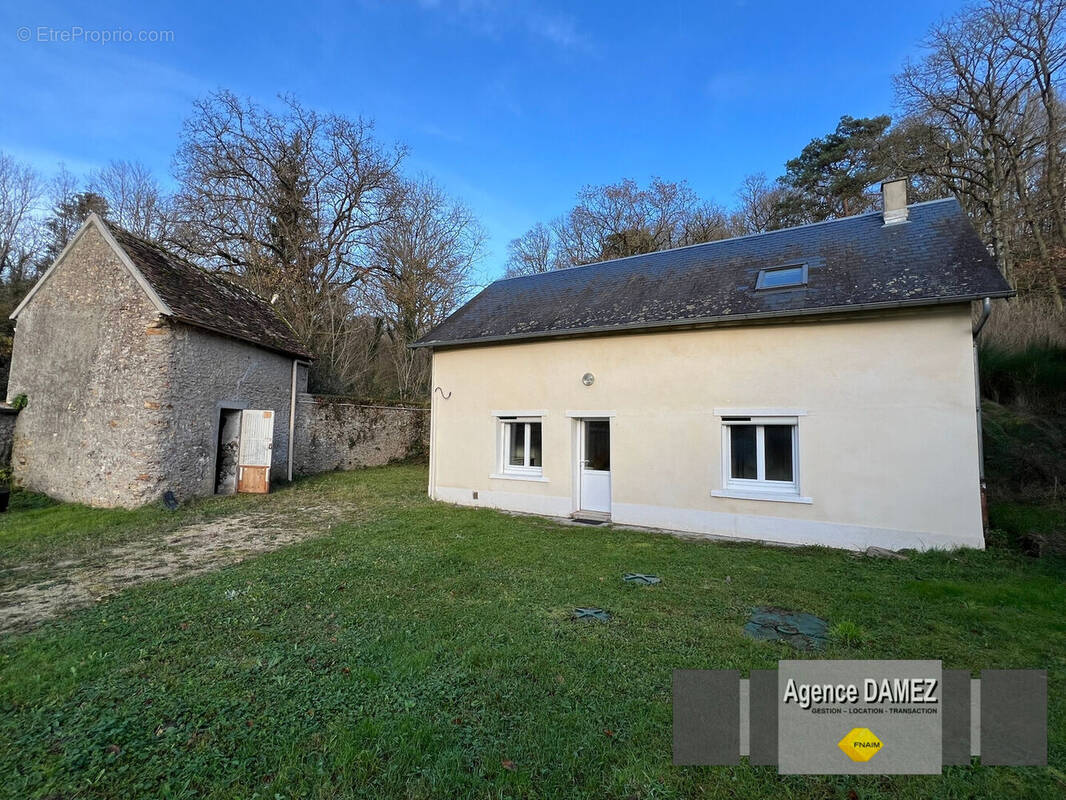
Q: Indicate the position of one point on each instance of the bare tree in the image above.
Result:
(759, 202)
(134, 198)
(423, 256)
(967, 102)
(288, 201)
(535, 251)
(21, 190)
(1033, 28)
(353, 351)
(619, 220)
(622, 219)
(608, 221)
(707, 222)
(70, 205)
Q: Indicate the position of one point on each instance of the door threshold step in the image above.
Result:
(590, 517)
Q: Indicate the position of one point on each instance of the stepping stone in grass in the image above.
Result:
(641, 578)
(591, 614)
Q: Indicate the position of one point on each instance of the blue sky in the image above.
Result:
(512, 106)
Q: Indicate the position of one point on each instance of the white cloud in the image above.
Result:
(558, 30)
(497, 19)
(88, 104)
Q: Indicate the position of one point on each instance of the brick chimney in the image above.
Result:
(894, 195)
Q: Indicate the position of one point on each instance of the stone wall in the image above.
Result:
(208, 374)
(88, 356)
(124, 404)
(334, 434)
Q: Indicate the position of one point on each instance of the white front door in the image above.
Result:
(595, 465)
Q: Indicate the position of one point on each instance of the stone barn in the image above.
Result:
(145, 374)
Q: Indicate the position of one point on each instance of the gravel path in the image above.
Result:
(187, 551)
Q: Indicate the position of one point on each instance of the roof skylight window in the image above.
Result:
(782, 277)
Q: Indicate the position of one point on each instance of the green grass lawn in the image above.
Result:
(422, 650)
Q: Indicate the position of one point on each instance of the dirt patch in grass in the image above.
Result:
(51, 590)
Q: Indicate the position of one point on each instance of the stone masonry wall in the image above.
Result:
(333, 434)
(208, 373)
(88, 356)
(124, 404)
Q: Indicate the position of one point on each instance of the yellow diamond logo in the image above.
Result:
(860, 744)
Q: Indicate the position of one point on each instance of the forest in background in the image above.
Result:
(979, 116)
(307, 209)
(312, 211)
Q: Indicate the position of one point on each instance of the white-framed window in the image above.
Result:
(520, 446)
(760, 455)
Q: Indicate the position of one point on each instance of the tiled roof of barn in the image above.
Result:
(852, 263)
(208, 300)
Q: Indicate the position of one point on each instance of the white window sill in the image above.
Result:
(503, 476)
(775, 497)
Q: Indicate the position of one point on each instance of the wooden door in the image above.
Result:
(253, 459)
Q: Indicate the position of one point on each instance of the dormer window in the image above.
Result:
(782, 277)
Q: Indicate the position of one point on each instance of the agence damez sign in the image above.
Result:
(886, 690)
(860, 717)
(891, 695)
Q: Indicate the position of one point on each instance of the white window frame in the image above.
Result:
(503, 462)
(760, 488)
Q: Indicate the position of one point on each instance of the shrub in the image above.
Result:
(1023, 452)
(1024, 322)
(1033, 378)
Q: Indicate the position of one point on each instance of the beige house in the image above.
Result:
(814, 385)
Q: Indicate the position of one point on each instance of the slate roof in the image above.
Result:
(207, 300)
(853, 263)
